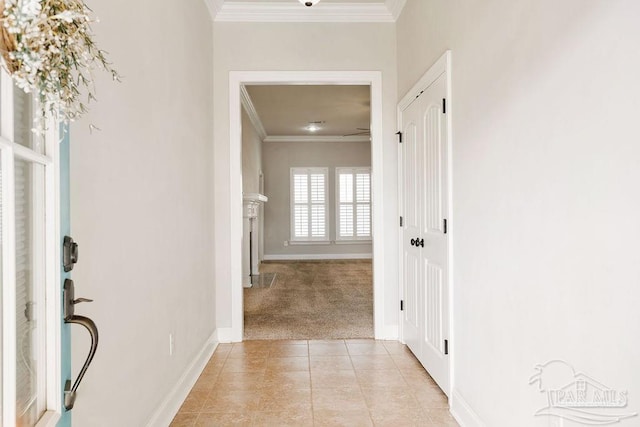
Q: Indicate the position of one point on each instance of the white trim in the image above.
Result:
(30, 155)
(214, 7)
(352, 242)
(395, 7)
(226, 335)
(279, 11)
(8, 285)
(252, 113)
(49, 419)
(317, 138)
(53, 289)
(462, 412)
(389, 332)
(452, 220)
(169, 407)
(303, 257)
(236, 79)
(309, 243)
(330, 242)
(442, 65)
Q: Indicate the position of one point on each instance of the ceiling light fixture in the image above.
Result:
(309, 3)
(314, 126)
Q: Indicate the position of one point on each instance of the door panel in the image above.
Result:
(411, 209)
(433, 307)
(425, 187)
(435, 251)
(432, 170)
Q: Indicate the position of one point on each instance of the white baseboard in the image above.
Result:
(462, 412)
(303, 257)
(169, 407)
(225, 335)
(388, 333)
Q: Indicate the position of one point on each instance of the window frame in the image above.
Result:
(292, 204)
(352, 170)
(49, 289)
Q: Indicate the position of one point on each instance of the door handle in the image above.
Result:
(70, 391)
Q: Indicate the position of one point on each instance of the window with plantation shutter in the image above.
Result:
(309, 204)
(353, 204)
(27, 263)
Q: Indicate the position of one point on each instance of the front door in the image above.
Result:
(425, 240)
(34, 345)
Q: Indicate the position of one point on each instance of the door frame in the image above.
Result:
(237, 79)
(441, 66)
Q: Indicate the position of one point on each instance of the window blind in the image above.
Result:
(354, 203)
(29, 198)
(309, 204)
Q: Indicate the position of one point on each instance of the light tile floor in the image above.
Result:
(314, 383)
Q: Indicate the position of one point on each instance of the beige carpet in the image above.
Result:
(311, 300)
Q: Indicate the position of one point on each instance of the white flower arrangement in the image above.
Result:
(48, 49)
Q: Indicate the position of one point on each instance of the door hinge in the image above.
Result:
(444, 106)
(444, 225)
(401, 305)
(399, 137)
(446, 346)
(401, 222)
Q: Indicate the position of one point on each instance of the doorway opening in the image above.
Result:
(240, 80)
(307, 251)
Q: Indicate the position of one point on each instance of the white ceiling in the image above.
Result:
(294, 11)
(287, 110)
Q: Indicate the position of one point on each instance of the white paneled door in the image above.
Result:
(425, 248)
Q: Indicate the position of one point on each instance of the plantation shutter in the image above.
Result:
(309, 204)
(354, 203)
(26, 199)
(24, 299)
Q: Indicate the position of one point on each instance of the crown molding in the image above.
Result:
(245, 100)
(317, 138)
(214, 7)
(395, 7)
(279, 11)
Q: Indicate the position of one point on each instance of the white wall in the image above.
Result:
(251, 170)
(293, 47)
(546, 166)
(251, 156)
(279, 158)
(142, 210)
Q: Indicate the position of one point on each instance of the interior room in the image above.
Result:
(504, 204)
(306, 152)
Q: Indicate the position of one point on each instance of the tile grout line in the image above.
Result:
(359, 384)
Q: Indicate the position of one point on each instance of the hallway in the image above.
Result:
(314, 383)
